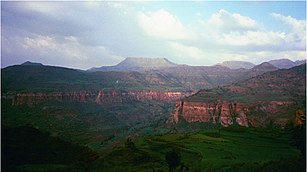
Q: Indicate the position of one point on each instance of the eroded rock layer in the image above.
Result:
(227, 113)
(100, 97)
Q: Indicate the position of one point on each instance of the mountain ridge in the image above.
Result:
(28, 63)
(137, 64)
(183, 77)
(145, 63)
(286, 63)
(237, 64)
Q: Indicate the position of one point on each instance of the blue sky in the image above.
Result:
(90, 34)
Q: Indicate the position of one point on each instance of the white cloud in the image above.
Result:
(86, 34)
(227, 36)
(70, 38)
(259, 38)
(46, 45)
(48, 8)
(39, 42)
(297, 37)
(187, 52)
(297, 25)
(232, 29)
(162, 24)
(227, 21)
(67, 50)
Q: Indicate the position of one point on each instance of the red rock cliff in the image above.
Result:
(226, 113)
(100, 97)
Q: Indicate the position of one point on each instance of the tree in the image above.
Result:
(233, 112)
(129, 144)
(173, 159)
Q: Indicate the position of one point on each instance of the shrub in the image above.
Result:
(173, 159)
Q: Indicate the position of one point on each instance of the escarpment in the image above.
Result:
(100, 97)
(272, 98)
(229, 112)
(225, 113)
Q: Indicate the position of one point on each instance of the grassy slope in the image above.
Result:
(87, 123)
(49, 78)
(21, 78)
(28, 149)
(234, 150)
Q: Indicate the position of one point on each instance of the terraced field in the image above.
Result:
(228, 149)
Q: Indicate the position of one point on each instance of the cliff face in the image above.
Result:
(216, 112)
(100, 97)
(227, 113)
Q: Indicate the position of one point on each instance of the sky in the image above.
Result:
(90, 34)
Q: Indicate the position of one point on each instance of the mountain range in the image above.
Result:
(130, 116)
(143, 64)
(34, 83)
(156, 75)
(286, 63)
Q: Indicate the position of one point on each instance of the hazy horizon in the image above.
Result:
(82, 35)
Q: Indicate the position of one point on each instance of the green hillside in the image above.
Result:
(40, 78)
(228, 149)
(21, 78)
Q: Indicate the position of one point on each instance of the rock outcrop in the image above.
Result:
(227, 113)
(100, 97)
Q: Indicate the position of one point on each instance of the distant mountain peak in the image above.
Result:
(137, 64)
(299, 62)
(281, 60)
(237, 64)
(265, 65)
(146, 62)
(28, 63)
(282, 63)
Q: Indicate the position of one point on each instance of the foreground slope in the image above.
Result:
(228, 149)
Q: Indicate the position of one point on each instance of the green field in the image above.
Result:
(228, 149)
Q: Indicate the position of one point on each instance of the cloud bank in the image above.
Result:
(87, 34)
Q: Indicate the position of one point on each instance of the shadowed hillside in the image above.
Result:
(28, 149)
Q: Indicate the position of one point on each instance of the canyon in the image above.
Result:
(274, 93)
(195, 104)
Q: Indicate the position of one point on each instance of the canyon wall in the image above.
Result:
(100, 97)
(227, 113)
